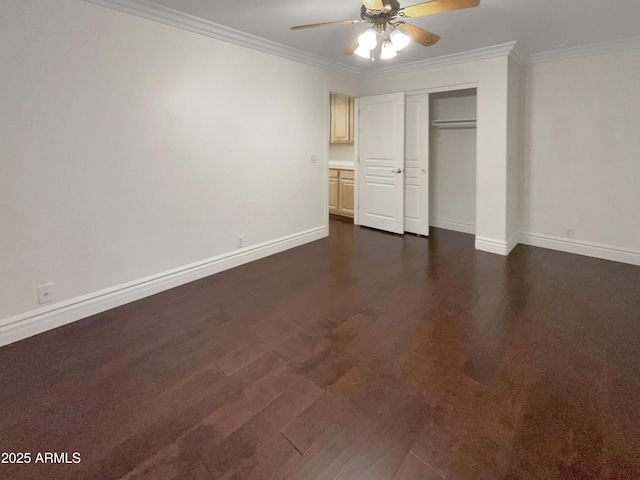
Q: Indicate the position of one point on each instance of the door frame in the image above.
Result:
(453, 88)
(327, 132)
(356, 161)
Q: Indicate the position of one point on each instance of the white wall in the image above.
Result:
(582, 152)
(515, 134)
(454, 105)
(452, 178)
(490, 76)
(341, 153)
(130, 148)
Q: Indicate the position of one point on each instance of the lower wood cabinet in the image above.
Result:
(341, 192)
(333, 190)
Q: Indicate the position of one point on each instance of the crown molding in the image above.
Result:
(585, 51)
(158, 13)
(151, 11)
(464, 57)
(168, 16)
(519, 54)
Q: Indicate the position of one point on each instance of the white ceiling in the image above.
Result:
(538, 25)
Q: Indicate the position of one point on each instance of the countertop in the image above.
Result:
(341, 165)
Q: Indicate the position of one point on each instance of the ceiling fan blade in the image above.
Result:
(373, 4)
(326, 24)
(352, 48)
(418, 35)
(436, 6)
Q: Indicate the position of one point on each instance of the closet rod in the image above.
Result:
(454, 123)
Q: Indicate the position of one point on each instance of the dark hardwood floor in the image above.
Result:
(361, 356)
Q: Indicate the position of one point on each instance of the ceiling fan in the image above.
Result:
(387, 19)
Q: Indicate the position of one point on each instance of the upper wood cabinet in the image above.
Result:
(341, 119)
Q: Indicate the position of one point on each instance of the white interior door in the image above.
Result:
(416, 165)
(381, 164)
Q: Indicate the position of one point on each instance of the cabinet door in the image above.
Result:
(340, 121)
(333, 195)
(346, 200)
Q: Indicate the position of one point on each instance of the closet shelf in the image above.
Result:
(459, 123)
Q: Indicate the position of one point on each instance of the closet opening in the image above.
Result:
(452, 165)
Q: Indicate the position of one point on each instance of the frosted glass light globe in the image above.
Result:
(363, 52)
(387, 51)
(399, 40)
(368, 39)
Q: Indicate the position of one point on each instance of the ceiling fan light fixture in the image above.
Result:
(363, 52)
(387, 18)
(399, 40)
(369, 39)
(387, 50)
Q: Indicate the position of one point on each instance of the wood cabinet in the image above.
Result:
(333, 190)
(342, 124)
(341, 192)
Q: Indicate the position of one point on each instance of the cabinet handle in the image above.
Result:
(397, 170)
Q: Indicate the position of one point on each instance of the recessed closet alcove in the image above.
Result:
(452, 165)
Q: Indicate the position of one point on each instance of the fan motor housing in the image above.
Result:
(390, 11)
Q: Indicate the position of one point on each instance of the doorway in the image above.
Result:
(452, 166)
(419, 161)
(341, 156)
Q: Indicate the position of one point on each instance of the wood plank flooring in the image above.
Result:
(361, 356)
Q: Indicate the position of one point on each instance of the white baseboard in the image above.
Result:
(492, 245)
(455, 226)
(38, 321)
(513, 242)
(579, 247)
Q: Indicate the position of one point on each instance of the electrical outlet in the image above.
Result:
(240, 241)
(569, 233)
(45, 293)
(314, 159)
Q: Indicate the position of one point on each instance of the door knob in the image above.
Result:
(424, 170)
(397, 170)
